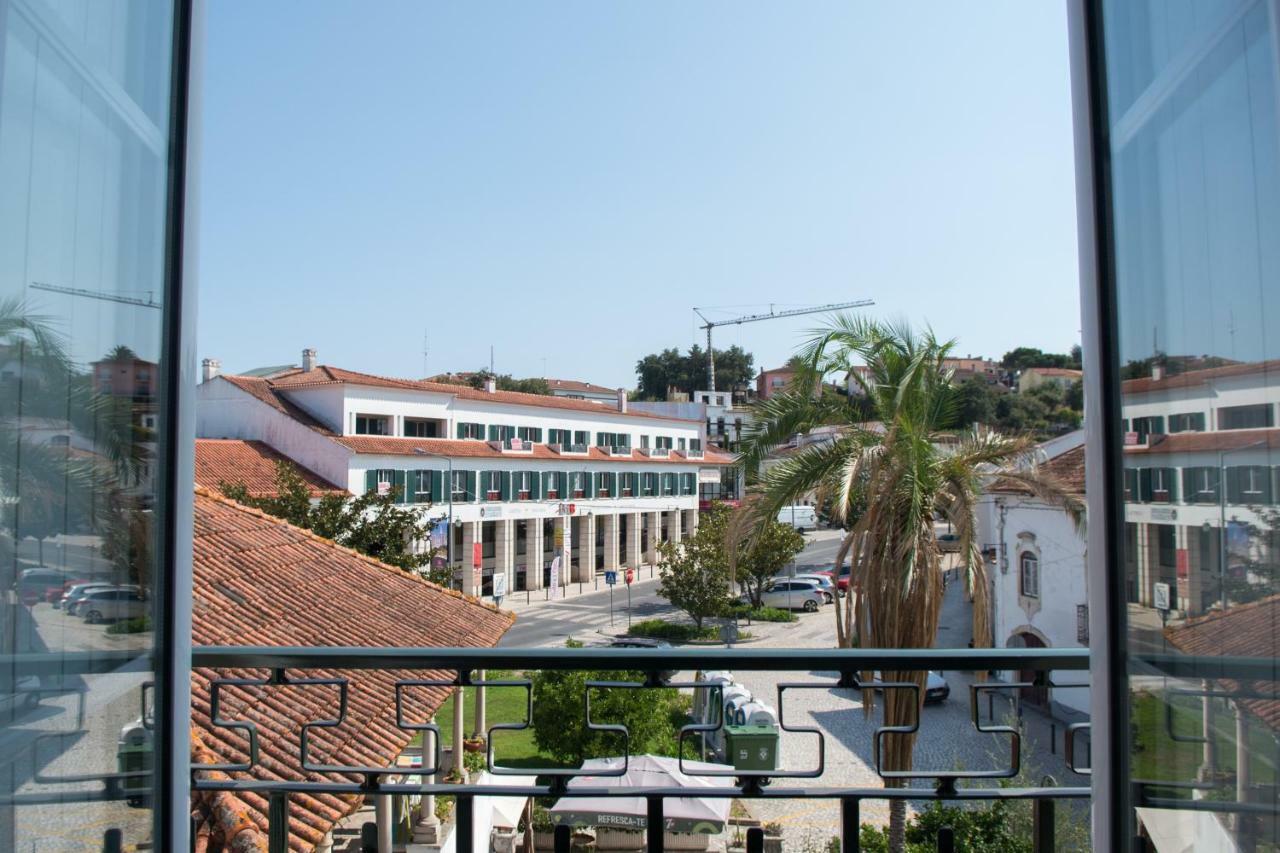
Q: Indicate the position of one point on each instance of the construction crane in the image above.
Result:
(97, 294)
(755, 318)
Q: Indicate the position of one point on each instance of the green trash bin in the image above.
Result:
(751, 747)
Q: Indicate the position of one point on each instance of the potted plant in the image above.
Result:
(543, 828)
(773, 837)
(474, 743)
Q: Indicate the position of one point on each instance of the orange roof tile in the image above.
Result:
(390, 446)
(1242, 630)
(260, 581)
(1192, 378)
(1209, 442)
(252, 463)
(1067, 469)
(326, 375)
(263, 390)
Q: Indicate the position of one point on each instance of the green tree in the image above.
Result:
(761, 558)
(917, 467)
(694, 574)
(668, 370)
(505, 382)
(375, 525)
(652, 717)
(1021, 358)
(976, 402)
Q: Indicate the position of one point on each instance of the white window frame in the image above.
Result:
(1024, 588)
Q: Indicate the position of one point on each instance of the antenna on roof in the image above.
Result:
(491, 370)
(426, 348)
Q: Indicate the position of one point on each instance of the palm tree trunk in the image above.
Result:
(897, 826)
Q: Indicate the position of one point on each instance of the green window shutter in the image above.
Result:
(437, 486)
(613, 485)
(493, 432)
(1171, 477)
(535, 485)
(469, 481)
(588, 484)
(398, 486)
(462, 429)
(370, 480)
(504, 488)
(1144, 485)
(411, 480)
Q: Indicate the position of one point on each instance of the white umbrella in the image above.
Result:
(705, 815)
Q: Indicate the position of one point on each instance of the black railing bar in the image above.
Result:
(790, 660)
(56, 664)
(731, 792)
(1210, 666)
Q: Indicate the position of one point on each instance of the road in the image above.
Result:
(586, 616)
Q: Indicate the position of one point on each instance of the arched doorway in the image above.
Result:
(1037, 696)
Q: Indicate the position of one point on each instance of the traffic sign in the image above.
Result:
(610, 578)
(1162, 596)
(631, 576)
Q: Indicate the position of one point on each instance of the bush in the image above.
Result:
(763, 614)
(675, 632)
(988, 829)
(130, 626)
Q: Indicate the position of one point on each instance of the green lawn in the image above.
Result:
(502, 705)
(1162, 758)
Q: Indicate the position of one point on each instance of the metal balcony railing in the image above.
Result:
(284, 666)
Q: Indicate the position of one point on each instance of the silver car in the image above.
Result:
(823, 582)
(78, 592)
(791, 594)
(106, 605)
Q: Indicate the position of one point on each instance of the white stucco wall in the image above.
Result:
(225, 411)
(1029, 525)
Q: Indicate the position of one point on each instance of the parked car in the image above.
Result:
(822, 580)
(32, 583)
(645, 643)
(791, 594)
(936, 688)
(840, 581)
(105, 605)
(77, 593)
(799, 516)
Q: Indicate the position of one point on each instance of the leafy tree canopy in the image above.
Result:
(505, 382)
(670, 370)
(375, 525)
(694, 574)
(1024, 357)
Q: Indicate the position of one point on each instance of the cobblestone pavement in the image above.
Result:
(947, 739)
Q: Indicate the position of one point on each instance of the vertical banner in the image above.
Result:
(439, 543)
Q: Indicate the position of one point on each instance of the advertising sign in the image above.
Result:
(517, 444)
(477, 554)
(384, 487)
(1184, 563)
(555, 576)
(1162, 596)
(499, 586)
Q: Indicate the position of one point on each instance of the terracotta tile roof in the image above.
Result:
(253, 463)
(480, 449)
(1192, 378)
(1209, 442)
(1244, 630)
(260, 581)
(264, 391)
(1056, 371)
(325, 375)
(576, 387)
(1066, 468)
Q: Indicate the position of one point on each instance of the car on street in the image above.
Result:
(841, 580)
(32, 583)
(791, 595)
(112, 603)
(644, 643)
(75, 595)
(822, 580)
(936, 688)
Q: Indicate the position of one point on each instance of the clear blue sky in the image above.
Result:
(566, 180)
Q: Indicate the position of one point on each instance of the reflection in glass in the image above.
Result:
(84, 95)
(1196, 210)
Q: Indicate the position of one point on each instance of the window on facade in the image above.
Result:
(501, 432)
(695, 444)
(552, 479)
(644, 442)
(372, 425)
(628, 484)
(579, 486)
(663, 441)
(1144, 427)
(1162, 490)
(582, 436)
(419, 428)
(471, 430)
(1249, 484)
(1029, 575)
(458, 485)
(682, 443)
(522, 484)
(1258, 416)
(1187, 422)
(533, 434)
(1200, 484)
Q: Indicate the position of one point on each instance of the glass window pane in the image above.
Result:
(1195, 158)
(84, 136)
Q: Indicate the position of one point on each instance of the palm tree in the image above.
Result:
(896, 462)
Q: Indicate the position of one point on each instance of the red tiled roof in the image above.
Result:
(480, 449)
(1244, 630)
(263, 390)
(260, 581)
(1209, 442)
(1067, 469)
(253, 463)
(575, 386)
(325, 375)
(1193, 378)
(1056, 371)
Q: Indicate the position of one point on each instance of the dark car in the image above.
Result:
(645, 643)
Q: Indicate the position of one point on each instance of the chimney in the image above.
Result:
(1157, 372)
(622, 400)
(308, 360)
(491, 385)
(210, 368)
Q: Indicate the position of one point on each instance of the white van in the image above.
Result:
(800, 517)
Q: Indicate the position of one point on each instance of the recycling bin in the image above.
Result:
(751, 747)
